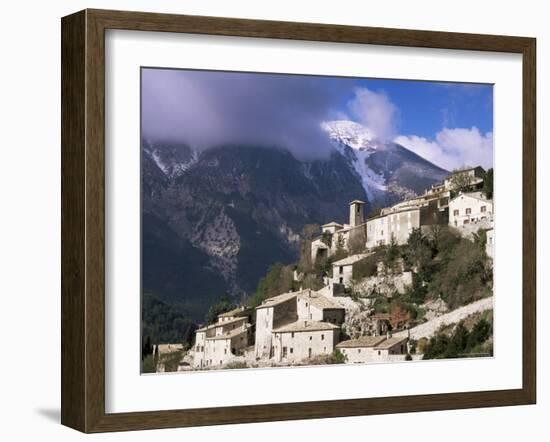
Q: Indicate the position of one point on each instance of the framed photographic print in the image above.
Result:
(267, 221)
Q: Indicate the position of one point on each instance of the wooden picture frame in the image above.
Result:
(83, 220)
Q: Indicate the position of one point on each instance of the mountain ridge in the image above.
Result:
(237, 209)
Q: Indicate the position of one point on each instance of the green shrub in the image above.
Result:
(365, 268)
(223, 305)
(236, 365)
(462, 275)
(461, 343)
(171, 360)
(164, 323)
(338, 357)
(149, 364)
(279, 279)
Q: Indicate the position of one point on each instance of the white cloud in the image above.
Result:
(449, 149)
(375, 111)
(453, 148)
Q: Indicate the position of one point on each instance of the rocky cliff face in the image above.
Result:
(215, 222)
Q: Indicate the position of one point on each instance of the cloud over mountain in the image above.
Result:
(209, 108)
(375, 111)
(206, 109)
(453, 148)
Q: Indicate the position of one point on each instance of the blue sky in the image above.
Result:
(427, 107)
(450, 124)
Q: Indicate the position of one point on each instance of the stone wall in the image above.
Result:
(304, 344)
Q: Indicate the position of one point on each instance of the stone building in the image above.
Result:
(313, 306)
(304, 339)
(219, 343)
(239, 312)
(471, 177)
(374, 349)
(298, 310)
(335, 236)
(470, 208)
(393, 348)
(342, 270)
(270, 314)
(398, 221)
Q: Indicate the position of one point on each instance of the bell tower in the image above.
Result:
(356, 216)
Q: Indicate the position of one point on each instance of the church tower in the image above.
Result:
(356, 216)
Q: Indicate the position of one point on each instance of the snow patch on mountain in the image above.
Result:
(356, 143)
(173, 161)
(176, 169)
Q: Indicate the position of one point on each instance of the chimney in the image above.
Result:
(388, 334)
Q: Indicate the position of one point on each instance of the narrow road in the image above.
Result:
(429, 328)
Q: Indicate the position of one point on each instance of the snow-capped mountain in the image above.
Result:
(214, 222)
(388, 171)
(355, 142)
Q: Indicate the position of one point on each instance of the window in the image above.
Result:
(310, 338)
(292, 335)
(466, 221)
(225, 351)
(341, 269)
(341, 280)
(291, 350)
(483, 209)
(284, 352)
(456, 212)
(322, 337)
(378, 352)
(358, 350)
(468, 211)
(309, 352)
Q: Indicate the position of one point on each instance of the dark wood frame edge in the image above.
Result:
(83, 215)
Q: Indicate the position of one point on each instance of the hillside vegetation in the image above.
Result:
(444, 266)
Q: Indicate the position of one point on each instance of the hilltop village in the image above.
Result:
(347, 316)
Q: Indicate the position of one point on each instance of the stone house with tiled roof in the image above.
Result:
(342, 270)
(470, 208)
(272, 313)
(219, 343)
(316, 307)
(304, 339)
(295, 309)
(374, 349)
(335, 236)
